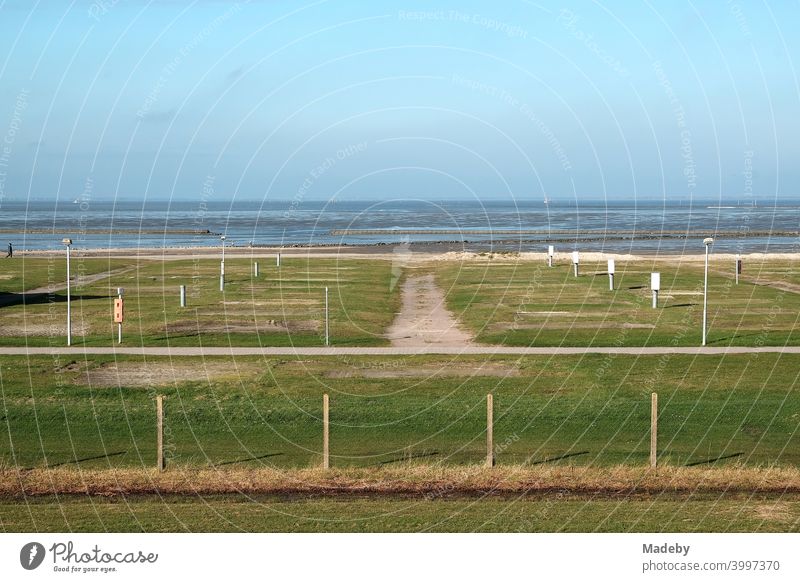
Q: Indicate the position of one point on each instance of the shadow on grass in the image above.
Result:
(681, 305)
(84, 459)
(248, 459)
(408, 458)
(734, 337)
(559, 458)
(709, 461)
(11, 299)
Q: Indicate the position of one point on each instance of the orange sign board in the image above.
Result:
(119, 310)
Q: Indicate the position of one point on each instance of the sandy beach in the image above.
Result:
(411, 253)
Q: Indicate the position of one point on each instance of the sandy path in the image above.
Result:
(423, 319)
(475, 350)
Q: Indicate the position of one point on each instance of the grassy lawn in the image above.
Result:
(269, 514)
(523, 303)
(23, 274)
(250, 412)
(282, 307)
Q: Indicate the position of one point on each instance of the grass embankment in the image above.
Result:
(250, 412)
(516, 303)
(404, 499)
(413, 480)
(281, 307)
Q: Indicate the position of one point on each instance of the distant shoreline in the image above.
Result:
(408, 252)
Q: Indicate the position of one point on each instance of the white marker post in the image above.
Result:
(738, 267)
(551, 250)
(278, 260)
(611, 267)
(575, 260)
(255, 269)
(655, 285)
(183, 295)
(327, 336)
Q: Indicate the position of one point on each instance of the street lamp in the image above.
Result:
(68, 243)
(707, 242)
(222, 265)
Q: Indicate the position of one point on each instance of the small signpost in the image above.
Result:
(575, 260)
(551, 250)
(655, 285)
(119, 313)
(611, 268)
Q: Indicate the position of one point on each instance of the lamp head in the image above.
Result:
(222, 237)
(66, 241)
(708, 241)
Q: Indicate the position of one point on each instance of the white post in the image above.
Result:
(183, 295)
(707, 242)
(69, 297)
(575, 260)
(550, 252)
(611, 268)
(222, 265)
(655, 285)
(327, 336)
(255, 269)
(278, 259)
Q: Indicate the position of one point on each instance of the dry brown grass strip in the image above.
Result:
(417, 480)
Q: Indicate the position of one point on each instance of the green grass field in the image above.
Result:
(274, 514)
(95, 412)
(281, 307)
(593, 410)
(515, 303)
(26, 273)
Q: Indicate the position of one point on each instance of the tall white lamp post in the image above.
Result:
(68, 243)
(222, 265)
(707, 242)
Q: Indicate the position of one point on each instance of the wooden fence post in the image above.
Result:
(326, 463)
(490, 430)
(653, 429)
(160, 432)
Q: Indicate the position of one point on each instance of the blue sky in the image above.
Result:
(283, 100)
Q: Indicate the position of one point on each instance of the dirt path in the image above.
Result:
(475, 350)
(423, 319)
